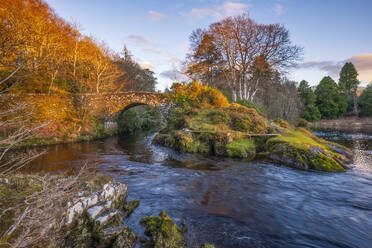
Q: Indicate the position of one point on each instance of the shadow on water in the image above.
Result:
(231, 203)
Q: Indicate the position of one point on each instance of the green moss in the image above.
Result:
(163, 232)
(301, 149)
(242, 148)
(262, 155)
(130, 207)
(208, 246)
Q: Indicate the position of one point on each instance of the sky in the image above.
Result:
(157, 32)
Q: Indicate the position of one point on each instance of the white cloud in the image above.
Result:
(362, 62)
(279, 9)
(155, 16)
(220, 11)
(147, 65)
(140, 40)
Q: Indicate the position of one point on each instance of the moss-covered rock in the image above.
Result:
(130, 207)
(163, 232)
(300, 149)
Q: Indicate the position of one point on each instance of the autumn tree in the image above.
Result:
(42, 53)
(235, 46)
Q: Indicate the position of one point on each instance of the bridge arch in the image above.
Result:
(106, 105)
(109, 106)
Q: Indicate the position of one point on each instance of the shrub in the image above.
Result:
(246, 119)
(261, 110)
(217, 117)
(196, 95)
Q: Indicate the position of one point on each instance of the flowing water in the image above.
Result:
(231, 203)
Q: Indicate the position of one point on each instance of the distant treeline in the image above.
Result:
(42, 53)
(332, 100)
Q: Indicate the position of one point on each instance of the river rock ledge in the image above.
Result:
(96, 219)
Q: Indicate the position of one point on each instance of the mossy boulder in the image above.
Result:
(300, 149)
(163, 232)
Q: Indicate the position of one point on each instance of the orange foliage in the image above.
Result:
(197, 95)
(49, 53)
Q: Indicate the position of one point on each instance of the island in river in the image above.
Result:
(203, 121)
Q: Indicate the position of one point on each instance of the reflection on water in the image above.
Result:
(231, 203)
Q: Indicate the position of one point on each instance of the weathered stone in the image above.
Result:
(111, 193)
(96, 219)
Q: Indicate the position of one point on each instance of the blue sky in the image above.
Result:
(156, 32)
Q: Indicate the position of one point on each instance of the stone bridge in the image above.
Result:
(107, 104)
(103, 106)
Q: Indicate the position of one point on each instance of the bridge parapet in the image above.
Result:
(101, 105)
(105, 105)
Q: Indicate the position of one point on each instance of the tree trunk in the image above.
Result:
(355, 103)
(240, 90)
(52, 80)
(233, 94)
(245, 90)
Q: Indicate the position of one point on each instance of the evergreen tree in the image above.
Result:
(348, 84)
(366, 101)
(308, 97)
(329, 99)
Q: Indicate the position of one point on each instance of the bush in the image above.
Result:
(246, 119)
(196, 95)
(261, 110)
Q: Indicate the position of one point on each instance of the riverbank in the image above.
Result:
(57, 140)
(348, 124)
(83, 209)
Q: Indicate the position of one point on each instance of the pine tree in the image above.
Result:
(348, 84)
(329, 100)
(308, 97)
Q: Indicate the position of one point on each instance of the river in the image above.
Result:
(234, 204)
